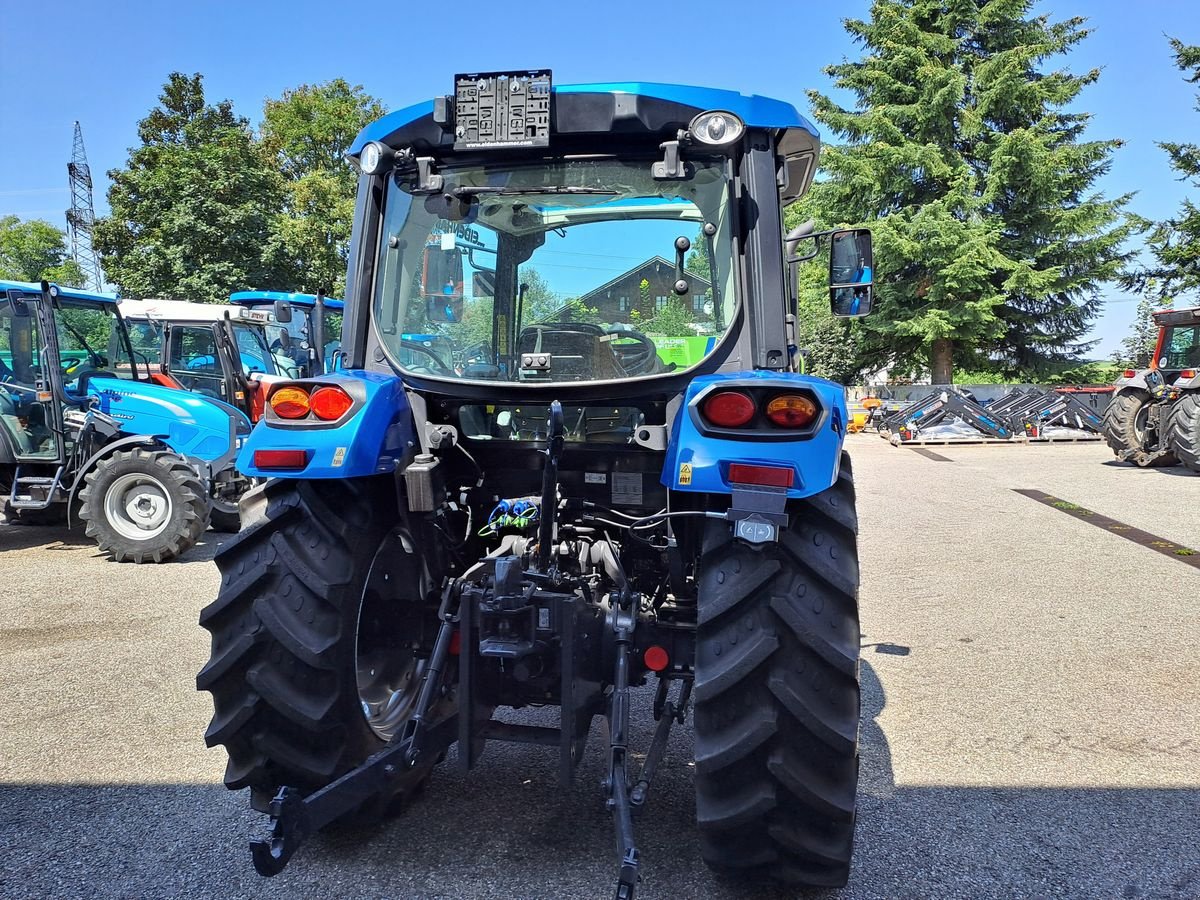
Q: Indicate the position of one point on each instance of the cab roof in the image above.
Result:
(181, 311)
(628, 106)
(262, 298)
(31, 287)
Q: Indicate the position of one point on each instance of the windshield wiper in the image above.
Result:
(470, 190)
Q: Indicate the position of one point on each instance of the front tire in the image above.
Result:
(777, 696)
(1183, 430)
(312, 667)
(144, 505)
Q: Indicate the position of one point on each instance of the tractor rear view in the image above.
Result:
(529, 506)
(1154, 416)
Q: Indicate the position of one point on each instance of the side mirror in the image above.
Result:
(283, 311)
(851, 273)
(442, 280)
(20, 308)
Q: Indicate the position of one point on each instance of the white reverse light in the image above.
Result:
(717, 128)
(373, 156)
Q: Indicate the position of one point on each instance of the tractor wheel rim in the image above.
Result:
(138, 506)
(388, 670)
(1140, 418)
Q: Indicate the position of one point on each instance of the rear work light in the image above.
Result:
(765, 476)
(791, 410)
(329, 403)
(290, 402)
(280, 459)
(728, 409)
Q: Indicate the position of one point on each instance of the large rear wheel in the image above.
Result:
(1183, 430)
(1129, 433)
(144, 505)
(320, 633)
(777, 696)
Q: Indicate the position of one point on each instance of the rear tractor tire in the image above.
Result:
(1183, 430)
(144, 505)
(313, 630)
(226, 517)
(1124, 428)
(777, 696)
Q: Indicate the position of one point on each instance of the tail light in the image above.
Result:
(791, 410)
(329, 403)
(766, 476)
(1128, 373)
(280, 459)
(728, 409)
(290, 403)
(1188, 373)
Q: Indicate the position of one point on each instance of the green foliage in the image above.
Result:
(1138, 346)
(192, 211)
(1175, 242)
(305, 133)
(673, 320)
(962, 157)
(830, 345)
(36, 250)
(969, 376)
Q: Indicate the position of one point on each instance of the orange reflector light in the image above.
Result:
(767, 476)
(1188, 373)
(655, 658)
(280, 459)
(791, 411)
(728, 409)
(330, 403)
(290, 403)
(1128, 373)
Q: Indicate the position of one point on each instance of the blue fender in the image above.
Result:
(197, 427)
(376, 435)
(699, 462)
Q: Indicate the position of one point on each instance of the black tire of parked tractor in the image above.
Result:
(169, 477)
(777, 696)
(1120, 428)
(1183, 430)
(226, 517)
(284, 627)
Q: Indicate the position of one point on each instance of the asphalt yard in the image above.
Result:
(1031, 717)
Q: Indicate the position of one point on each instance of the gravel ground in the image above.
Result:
(1030, 721)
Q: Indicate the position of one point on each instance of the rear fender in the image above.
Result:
(699, 462)
(377, 434)
(1187, 384)
(1137, 382)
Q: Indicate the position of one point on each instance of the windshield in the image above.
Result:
(1181, 347)
(563, 271)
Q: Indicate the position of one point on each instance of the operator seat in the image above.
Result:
(579, 351)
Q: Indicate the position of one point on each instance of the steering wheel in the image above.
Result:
(438, 367)
(639, 359)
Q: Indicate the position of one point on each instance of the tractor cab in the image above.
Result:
(212, 349)
(1178, 347)
(82, 419)
(299, 325)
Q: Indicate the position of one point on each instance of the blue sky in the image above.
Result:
(104, 63)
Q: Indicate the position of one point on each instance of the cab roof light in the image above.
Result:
(290, 402)
(280, 459)
(763, 476)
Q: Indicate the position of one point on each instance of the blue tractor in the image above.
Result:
(557, 515)
(302, 324)
(81, 422)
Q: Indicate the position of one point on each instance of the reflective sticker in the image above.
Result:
(339, 456)
(595, 478)
(685, 473)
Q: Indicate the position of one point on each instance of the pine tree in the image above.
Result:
(961, 157)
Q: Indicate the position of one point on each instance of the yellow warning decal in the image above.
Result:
(685, 473)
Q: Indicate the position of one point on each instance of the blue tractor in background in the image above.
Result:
(82, 421)
(307, 327)
(550, 514)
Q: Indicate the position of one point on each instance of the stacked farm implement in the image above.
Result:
(953, 415)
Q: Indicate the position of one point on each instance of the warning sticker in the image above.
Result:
(339, 456)
(685, 473)
(595, 478)
(627, 488)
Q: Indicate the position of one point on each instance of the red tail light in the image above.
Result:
(280, 459)
(791, 410)
(290, 402)
(728, 409)
(1188, 373)
(656, 658)
(766, 476)
(1128, 373)
(329, 403)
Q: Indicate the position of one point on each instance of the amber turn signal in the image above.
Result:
(290, 403)
(791, 411)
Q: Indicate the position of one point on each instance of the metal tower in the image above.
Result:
(82, 215)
